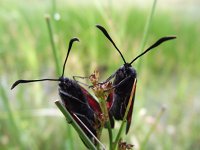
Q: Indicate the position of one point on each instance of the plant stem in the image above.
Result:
(105, 111)
(110, 134)
(98, 137)
(55, 54)
(75, 125)
(125, 116)
(152, 128)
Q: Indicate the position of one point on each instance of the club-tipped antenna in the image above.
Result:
(28, 81)
(110, 39)
(69, 49)
(157, 43)
(38, 80)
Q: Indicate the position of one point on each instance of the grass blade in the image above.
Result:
(55, 54)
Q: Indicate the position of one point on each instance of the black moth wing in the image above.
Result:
(85, 124)
(123, 82)
(76, 102)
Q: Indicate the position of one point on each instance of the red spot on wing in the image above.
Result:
(109, 101)
(96, 107)
(92, 102)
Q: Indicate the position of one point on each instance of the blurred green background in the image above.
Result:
(167, 77)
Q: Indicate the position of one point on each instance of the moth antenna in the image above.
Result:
(28, 81)
(110, 39)
(69, 49)
(157, 43)
(38, 80)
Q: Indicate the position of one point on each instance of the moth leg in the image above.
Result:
(121, 82)
(80, 77)
(75, 79)
(112, 76)
(109, 78)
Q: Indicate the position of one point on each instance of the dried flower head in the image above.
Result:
(94, 78)
(101, 90)
(124, 146)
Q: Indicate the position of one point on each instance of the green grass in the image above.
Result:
(168, 76)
